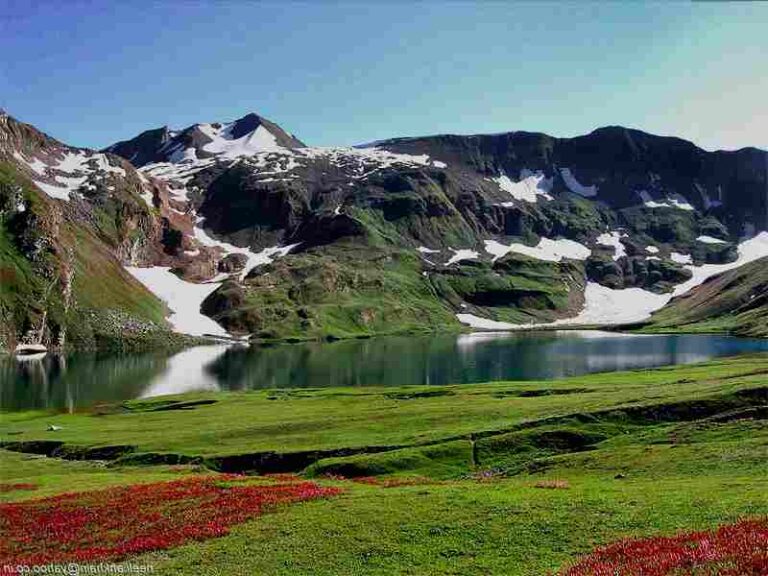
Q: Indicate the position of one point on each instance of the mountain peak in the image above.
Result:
(245, 136)
(245, 125)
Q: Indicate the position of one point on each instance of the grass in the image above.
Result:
(52, 476)
(325, 293)
(335, 418)
(633, 454)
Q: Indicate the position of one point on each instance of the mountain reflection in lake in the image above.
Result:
(86, 379)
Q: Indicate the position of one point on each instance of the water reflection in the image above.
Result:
(187, 371)
(86, 379)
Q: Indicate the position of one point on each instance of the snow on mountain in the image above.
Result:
(530, 188)
(546, 249)
(681, 258)
(459, 255)
(613, 239)
(607, 306)
(254, 258)
(709, 240)
(75, 169)
(183, 298)
(671, 201)
(749, 251)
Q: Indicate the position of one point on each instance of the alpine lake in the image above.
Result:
(79, 380)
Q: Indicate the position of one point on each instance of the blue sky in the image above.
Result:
(91, 73)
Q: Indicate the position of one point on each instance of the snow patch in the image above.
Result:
(529, 188)
(262, 153)
(483, 323)
(606, 306)
(254, 258)
(651, 250)
(223, 144)
(681, 258)
(546, 249)
(749, 251)
(710, 240)
(425, 250)
(182, 297)
(613, 239)
(183, 155)
(671, 201)
(36, 165)
(459, 255)
(55, 192)
(77, 168)
(603, 306)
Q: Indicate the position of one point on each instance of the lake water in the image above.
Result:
(82, 379)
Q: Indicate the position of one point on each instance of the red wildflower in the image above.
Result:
(739, 549)
(110, 524)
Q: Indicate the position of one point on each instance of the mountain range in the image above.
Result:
(240, 230)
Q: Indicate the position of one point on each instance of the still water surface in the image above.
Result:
(82, 379)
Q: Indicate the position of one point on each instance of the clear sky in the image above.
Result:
(91, 73)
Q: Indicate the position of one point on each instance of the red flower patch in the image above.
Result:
(739, 549)
(5, 487)
(110, 524)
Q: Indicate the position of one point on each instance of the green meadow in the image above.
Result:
(496, 478)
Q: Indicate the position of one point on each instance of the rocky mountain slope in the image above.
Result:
(70, 219)
(244, 230)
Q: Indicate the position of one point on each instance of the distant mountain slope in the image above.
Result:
(624, 166)
(508, 227)
(735, 301)
(244, 230)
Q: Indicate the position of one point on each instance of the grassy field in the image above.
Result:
(500, 478)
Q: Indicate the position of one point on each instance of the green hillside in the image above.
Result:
(735, 302)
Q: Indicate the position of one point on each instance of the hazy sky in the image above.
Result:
(91, 73)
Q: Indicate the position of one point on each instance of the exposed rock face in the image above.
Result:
(621, 163)
(69, 220)
(654, 275)
(233, 263)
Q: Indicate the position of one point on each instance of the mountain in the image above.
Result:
(735, 301)
(242, 223)
(251, 133)
(70, 219)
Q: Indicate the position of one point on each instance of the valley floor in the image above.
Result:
(498, 478)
